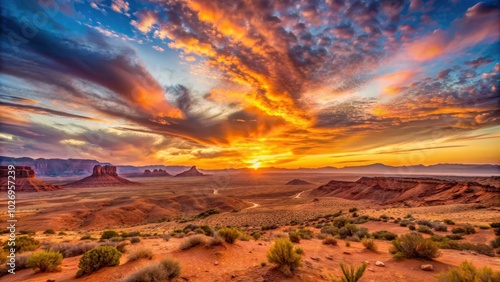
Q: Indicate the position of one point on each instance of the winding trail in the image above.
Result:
(254, 206)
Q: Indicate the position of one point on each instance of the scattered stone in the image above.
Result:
(329, 257)
(250, 251)
(379, 263)
(315, 258)
(427, 267)
(347, 253)
(260, 244)
(184, 278)
(371, 269)
(216, 263)
(367, 262)
(474, 253)
(462, 253)
(233, 276)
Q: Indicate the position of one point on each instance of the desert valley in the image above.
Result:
(162, 213)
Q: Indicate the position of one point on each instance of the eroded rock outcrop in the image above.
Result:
(24, 180)
(189, 173)
(297, 181)
(410, 191)
(102, 176)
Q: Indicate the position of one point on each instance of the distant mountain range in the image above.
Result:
(82, 167)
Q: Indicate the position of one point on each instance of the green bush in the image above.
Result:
(87, 237)
(484, 227)
(135, 240)
(341, 222)
(449, 221)
(330, 230)
(305, 233)
(495, 243)
(495, 224)
(330, 240)
(49, 231)
(351, 273)
(284, 256)
(294, 237)
(353, 209)
(109, 234)
(192, 241)
(27, 232)
(424, 229)
(141, 253)
(469, 228)
(439, 226)
(299, 251)
(468, 272)
(61, 233)
(454, 236)
(369, 244)
(384, 235)
(412, 227)
(166, 270)
(269, 227)
(98, 258)
(229, 234)
(424, 222)
(46, 261)
(413, 245)
(23, 244)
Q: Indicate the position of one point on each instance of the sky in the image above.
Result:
(251, 83)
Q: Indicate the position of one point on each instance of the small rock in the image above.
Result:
(427, 267)
(347, 253)
(260, 244)
(233, 276)
(367, 262)
(184, 278)
(474, 253)
(206, 270)
(315, 258)
(329, 257)
(250, 251)
(216, 263)
(379, 263)
(371, 269)
(462, 253)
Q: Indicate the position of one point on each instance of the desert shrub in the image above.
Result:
(454, 236)
(384, 235)
(61, 233)
(199, 231)
(269, 227)
(299, 251)
(192, 241)
(495, 224)
(351, 273)
(468, 272)
(469, 229)
(449, 221)
(424, 229)
(23, 244)
(294, 237)
(256, 236)
(22, 261)
(404, 223)
(46, 261)
(347, 243)
(284, 256)
(166, 270)
(458, 230)
(321, 236)
(27, 232)
(263, 263)
(353, 209)
(121, 247)
(496, 231)
(215, 241)
(424, 222)
(369, 244)
(330, 229)
(135, 240)
(484, 227)
(108, 234)
(341, 222)
(98, 258)
(495, 243)
(384, 217)
(208, 213)
(305, 233)
(141, 253)
(3, 256)
(351, 230)
(87, 237)
(76, 250)
(116, 239)
(361, 219)
(49, 231)
(229, 234)
(439, 226)
(412, 227)
(413, 245)
(330, 241)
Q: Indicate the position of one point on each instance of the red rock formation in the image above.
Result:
(298, 182)
(102, 176)
(411, 191)
(189, 173)
(24, 181)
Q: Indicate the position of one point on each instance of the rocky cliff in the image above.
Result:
(410, 191)
(53, 167)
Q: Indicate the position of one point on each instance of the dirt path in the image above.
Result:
(299, 194)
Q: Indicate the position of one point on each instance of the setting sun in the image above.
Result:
(256, 164)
